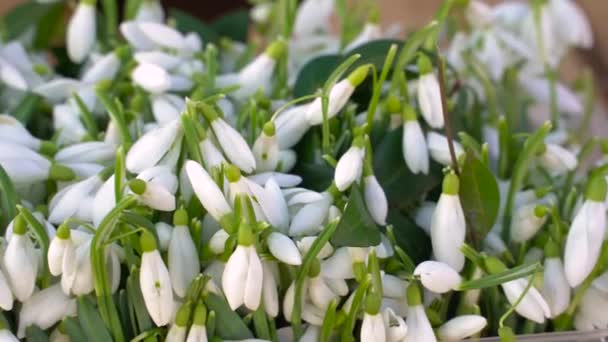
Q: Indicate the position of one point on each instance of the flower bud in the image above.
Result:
(437, 276)
(81, 33)
(461, 327)
(155, 282)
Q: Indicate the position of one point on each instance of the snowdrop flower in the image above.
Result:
(556, 289)
(533, 306)
(207, 191)
(429, 94)
(372, 328)
(179, 328)
(270, 292)
(105, 68)
(255, 75)
(162, 59)
(45, 308)
(266, 149)
(6, 294)
(74, 200)
(233, 144)
(81, 33)
(418, 326)
(152, 146)
(415, 152)
(526, 222)
(212, 157)
(287, 160)
(183, 258)
(12, 131)
(77, 270)
(166, 108)
(437, 276)
(152, 78)
(424, 214)
(312, 17)
(578, 32)
(586, 234)
(309, 219)
(322, 290)
(338, 96)
(440, 150)
(396, 329)
(11, 76)
(163, 35)
(21, 261)
(153, 195)
(557, 159)
(310, 313)
(68, 124)
(284, 249)
(150, 10)
(539, 88)
(371, 31)
(57, 249)
(6, 335)
(291, 125)
(448, 225)
(198, 330)
(375, 198)
(155, 282)
(350, 165)
(87, 152)
(461, 327)
(243, 276)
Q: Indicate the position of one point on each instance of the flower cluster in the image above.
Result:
(168, 181)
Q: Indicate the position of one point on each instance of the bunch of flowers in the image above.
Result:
(167, 179)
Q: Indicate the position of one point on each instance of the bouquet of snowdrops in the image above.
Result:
(270, 176)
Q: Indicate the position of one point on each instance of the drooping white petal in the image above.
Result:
(338, 96)
(461, 327)
(21, 266)
(375, 199)
(284, 249)
(415, 152)
(235, 276)
(152, 146)
(429, 99)
(437, 276)
(183, 260)
(81, 32)
(533, 306)
(234, 146)
(155, 284)
(448, 231)
(349, 167)
(556, 289)
(162, 35)
(45, 308)
(104, 68)
(209, 194)
(372, 328)
(252, 294)
(439, 148)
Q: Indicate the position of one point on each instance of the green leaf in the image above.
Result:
(401, 186)
(502, 277)
(24, 16)
(411, 238)
(8, 199)
(234, 25)
(187, 23)
(73, 329)
(479, 196)
(313, 74)
(140, 319)
(229, 326)
(91, 322)
(26, 107)
(356, 227)
(34, 334)
(50, 26)
(374, 52)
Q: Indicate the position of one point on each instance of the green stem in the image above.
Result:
(328, 322)
(117, 116)
(107, 308)
(119, 173)
(87, 117)
(589, 101)
(388, 63)
(9, 199)
(349, 323)
(309, 259)
(444, 109)
(110, 10)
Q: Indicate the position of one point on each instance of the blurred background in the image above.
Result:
(411, 14)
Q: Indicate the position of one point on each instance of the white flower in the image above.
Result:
(557, 159)
(21, 261)
(448, 225)
(177, 333)
(166, 108)
(539, 89)
(104, 201)
(86, 152)
(339, 265)
(105, 68)
(309, 219)
(586, 234)
(461, 327)
(266, 149)
(183, 257)
(429, 94)
(159, 58)
(533, 306)
(372, 328)
(163, 35)
(375, 199)
(234, 145)
(77, 270)
(270, 292)
(437, 276)
(526, 221)
(418, 326)
(155, 282)
(152, 146)
(74, 200)
(6, 294)
(272, 203)
(152, 78)
(440, 150)
(284, 249)
(291, 125)
(287, 160)
(68, 124)
(45, 308)
(135, 36)
(350, 165)
(591, 313)
(81, 32)
(415, 152)
(7, 336)
(155, 187)
(578, 32)
(150, 10)
(338, 96)
(424, 214)
(313, 17)
(23, 165)
(11, 76)
(242, 278)
(556, 289)
(57, 249)
(396, 329)
(209, 194)
(198, 330)
(217, 243)
(58, 89)
(370, 31)
(12, 131)
(212, 157)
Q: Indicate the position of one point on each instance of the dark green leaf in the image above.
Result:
(49, 26)
(234, 25)
(356, 227)
(73, 329)
(411, 238)
(34, 334)
(8, 199)
(187, 23)
(314, 74)
(373, 52)
(401, 186)
(26, 107)
(229, 325)
(479, 196)
(315, 176)
(91, 322)
(23, 16)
